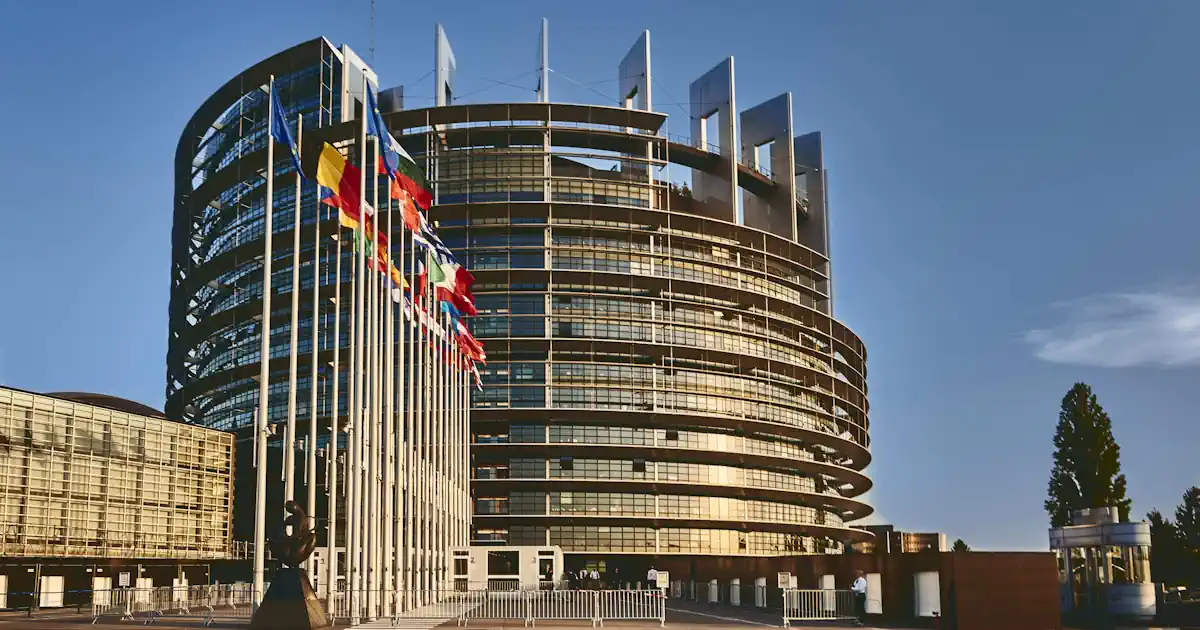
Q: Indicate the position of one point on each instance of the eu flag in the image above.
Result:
(281, 132)
(375, 127)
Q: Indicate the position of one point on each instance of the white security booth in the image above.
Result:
(1104, 565)
(506, 568)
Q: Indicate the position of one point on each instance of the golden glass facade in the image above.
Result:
(79, 480)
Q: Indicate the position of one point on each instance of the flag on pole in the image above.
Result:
(422, 280)
(449, 289)
(280, 130)
(470, 345)
(409, 212)
(449, 309)
(341, 179)
(475, 373)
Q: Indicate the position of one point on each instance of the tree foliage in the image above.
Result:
(1175, 547)
(960, 545)
(1187, 519)
(1165, 550)
(1087, 460)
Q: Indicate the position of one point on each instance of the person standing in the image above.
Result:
(652, 578)
(859, 588)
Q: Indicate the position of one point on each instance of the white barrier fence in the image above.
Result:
(236, 601)
(212, 602)
(816, 605)
(526, 605)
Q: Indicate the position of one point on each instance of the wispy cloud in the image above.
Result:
(1159, 328)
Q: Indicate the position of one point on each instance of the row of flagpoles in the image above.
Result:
(407, 497)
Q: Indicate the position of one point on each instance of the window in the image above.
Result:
(503, 562)
(567, 463)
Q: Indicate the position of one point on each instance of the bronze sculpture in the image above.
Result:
(290, 602)
(293, 550)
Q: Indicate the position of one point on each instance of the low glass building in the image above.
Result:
(93, 485)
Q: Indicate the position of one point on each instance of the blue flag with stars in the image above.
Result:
(377, 128)
(281, 132)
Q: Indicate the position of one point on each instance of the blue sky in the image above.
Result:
(1013, 189)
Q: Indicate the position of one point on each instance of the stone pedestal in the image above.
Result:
(290, 604)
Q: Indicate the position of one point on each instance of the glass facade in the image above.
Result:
(216, 328)
(645, 361)
(216, 288)
(644, 353)
(78, 480)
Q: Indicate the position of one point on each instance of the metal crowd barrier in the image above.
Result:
(816, 605)
(526, 605)
(211, 602)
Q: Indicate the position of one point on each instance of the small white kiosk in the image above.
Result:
(506, 568)
(1104, 565)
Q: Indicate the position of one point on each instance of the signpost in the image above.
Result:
(785, 580)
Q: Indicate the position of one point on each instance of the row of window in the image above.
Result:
(674, 379)
(651, 506)
(620, 246)
(649, 400)
(642, 470)
(642, 436)
(599, 539)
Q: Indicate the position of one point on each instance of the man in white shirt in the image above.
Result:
(652, 578)
(859, 588)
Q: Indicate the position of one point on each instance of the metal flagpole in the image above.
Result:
(464, 471)
(359, 384)
(460, 437)
(430, 435)
(410, 435)
(334, 417)
(389, 376)
(442, 427)
(352, 430)
(426, 583)
(368, 407)
(401, 440)
(264, 358)
(376, 376)
(314, 352)
(447, 445)
(458, 451)
(418, 474)
(289, 442)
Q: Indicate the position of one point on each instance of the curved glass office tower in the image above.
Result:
(665, 375)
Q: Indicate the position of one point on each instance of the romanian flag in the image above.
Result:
(342, 181)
